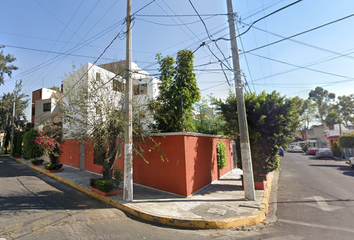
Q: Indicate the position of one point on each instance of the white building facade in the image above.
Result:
(93, 90)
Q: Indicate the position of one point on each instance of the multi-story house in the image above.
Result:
(92, 88)
(44, 107)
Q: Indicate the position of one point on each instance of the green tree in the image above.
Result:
(30, 148)
(345, 109)
(205, 120)
(322, 98)
(228, 111)
(337, 151)
(6, 111)
(178, 91)
(271, 120)
(309, 113)
(331, 119)
(5, 67)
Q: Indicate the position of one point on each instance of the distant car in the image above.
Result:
(311, 151)
(351, 162)
(290, 148)
(324, 153)
(296, 149)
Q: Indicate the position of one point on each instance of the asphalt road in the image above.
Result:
(314, 200)
(34, 206)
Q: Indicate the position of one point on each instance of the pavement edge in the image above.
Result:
(253, 219)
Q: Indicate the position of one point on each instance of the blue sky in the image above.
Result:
(37, 31)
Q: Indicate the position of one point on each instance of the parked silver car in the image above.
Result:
(296, 149)
(324, 153)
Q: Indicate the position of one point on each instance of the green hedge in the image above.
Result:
(221, 155)
(30, 148)
(337, 151)
(55, 166)
(347, 140)
(18, 143)
(102, 185)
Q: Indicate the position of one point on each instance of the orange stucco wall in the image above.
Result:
(201, 161)
(70, 153)
(198, 164)
(190, 162)
(187, 170)
(168, 175)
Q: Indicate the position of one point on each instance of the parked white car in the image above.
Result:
(351, 162)
(296, 149)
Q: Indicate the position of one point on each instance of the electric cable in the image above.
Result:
(270, 14)
(301, 33)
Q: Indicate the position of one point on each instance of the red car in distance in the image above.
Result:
(311, 151)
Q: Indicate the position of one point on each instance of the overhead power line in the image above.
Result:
(180, 15)
(47, 51)
(306, 44)
(298, 34)
(270, 14)
(299, 67)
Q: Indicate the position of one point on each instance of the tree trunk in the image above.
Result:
(107, 170)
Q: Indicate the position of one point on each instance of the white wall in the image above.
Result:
(47, 93)
(99, 93)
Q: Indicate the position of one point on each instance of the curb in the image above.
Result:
(253, 219)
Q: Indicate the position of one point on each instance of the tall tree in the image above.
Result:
(345, 108)
(271, 118)
(6, 111)
(331, 119)
(205, 120)
(5, 66)
(309, 113)
(322, 98)
(173, 109)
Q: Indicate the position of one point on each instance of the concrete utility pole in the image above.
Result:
(242, 120)
(128, 150)
(13, 127)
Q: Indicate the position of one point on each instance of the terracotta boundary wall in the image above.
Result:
(188, 161)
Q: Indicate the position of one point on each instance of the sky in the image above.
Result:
(291, 51)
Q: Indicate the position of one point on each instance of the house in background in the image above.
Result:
(334, 134)
(44, 107)
(317, 133)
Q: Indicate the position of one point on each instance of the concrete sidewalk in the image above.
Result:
(219, 205)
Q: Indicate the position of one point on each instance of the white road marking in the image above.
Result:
(289, 237)
(317, 225)
(322, 204)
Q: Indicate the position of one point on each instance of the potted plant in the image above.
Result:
(49, 141)
(107, 187)
(259, 182)
(37, 162)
